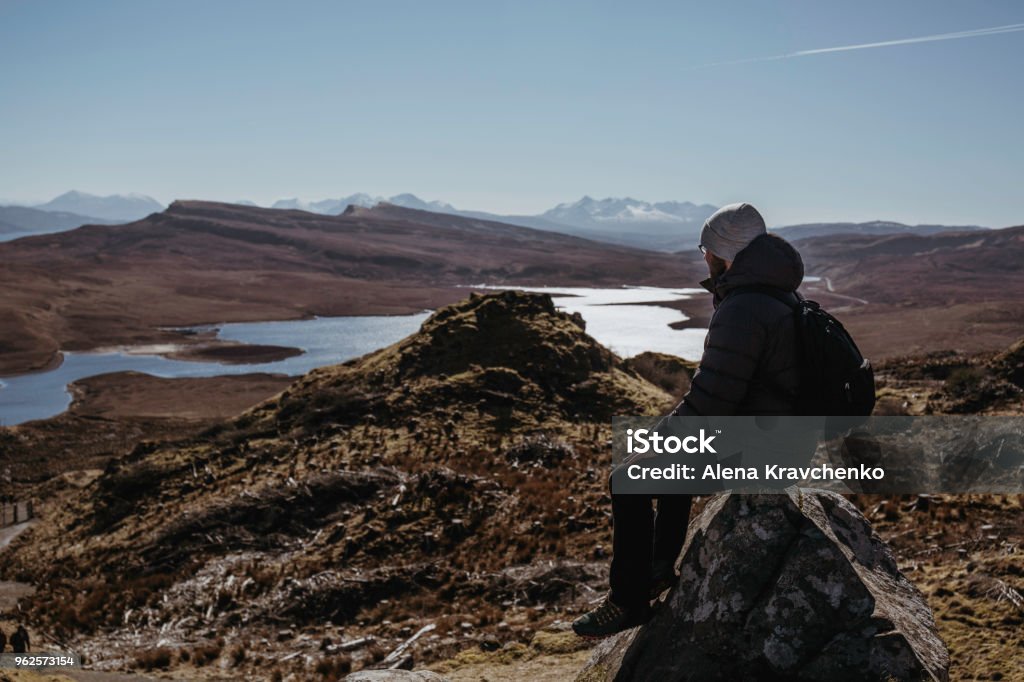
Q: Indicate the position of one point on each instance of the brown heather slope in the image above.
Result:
(939, 269)
(207, 262)
(960, 291)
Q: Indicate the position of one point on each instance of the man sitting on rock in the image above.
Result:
(749, 367)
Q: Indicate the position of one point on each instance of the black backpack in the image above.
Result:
(835, 379)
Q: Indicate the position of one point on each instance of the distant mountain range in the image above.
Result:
(615, 215)
(626, 221)
(338, 206)
(659, 226)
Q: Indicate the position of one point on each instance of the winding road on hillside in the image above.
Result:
(832, 292)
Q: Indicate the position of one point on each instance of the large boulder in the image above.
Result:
(794, 586)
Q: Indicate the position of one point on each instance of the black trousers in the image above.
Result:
(639, 536)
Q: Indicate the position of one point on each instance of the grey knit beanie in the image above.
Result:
(730, 229)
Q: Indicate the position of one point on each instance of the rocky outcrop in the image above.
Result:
(781, 587)
(510, 356)
(1009, 364)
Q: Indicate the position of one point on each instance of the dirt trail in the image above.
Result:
(10, 591)
(8, 533)
(832, 292)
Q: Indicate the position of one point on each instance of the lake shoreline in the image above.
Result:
(627, 320)
(149, 325)
(282, 348)
(184, 342)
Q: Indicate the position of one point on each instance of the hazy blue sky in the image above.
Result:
(516, 106)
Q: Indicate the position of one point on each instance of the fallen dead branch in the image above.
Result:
(395, 657)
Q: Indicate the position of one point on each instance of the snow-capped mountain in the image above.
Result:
(666, 225)
(325, 206)
(114, 208)
(338, 206)
(413, 201)
(613, 213)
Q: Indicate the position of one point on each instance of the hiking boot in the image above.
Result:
(607, 619)
(663, 577)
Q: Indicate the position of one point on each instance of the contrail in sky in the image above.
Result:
(975, 33)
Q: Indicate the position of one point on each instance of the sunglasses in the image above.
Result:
(703, 249)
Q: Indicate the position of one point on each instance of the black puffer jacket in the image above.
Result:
(749, 365)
